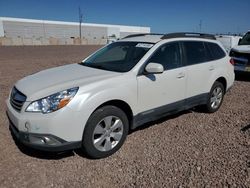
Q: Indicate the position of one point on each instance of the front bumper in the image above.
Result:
(58, 131)
(44, 142)
(65, 123)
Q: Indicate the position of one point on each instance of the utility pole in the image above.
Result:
(80, 23)
(200, 25)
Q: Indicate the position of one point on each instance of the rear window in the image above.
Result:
(195, 52)
(215, 51)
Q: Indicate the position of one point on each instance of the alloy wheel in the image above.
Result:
(107, 133)
(216, 98)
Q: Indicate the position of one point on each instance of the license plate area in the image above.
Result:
(247, 69)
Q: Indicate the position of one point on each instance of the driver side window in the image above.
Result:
(168, 55)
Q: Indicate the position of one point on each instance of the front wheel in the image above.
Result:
(215, 97)
(105, 132)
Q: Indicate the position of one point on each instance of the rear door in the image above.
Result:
(199, 71)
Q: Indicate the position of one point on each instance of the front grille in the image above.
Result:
(17, 99)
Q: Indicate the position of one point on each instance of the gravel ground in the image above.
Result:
(190, 149)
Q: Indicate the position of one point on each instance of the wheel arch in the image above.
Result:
(223, 81)
(125, 107)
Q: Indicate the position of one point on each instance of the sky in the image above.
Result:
(163, 16)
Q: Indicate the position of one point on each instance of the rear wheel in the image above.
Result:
(105, 132)
(215, 97)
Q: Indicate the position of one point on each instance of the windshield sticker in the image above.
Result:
(144, 45)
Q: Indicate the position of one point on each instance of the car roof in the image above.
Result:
(154, 38)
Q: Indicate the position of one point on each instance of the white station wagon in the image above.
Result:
(93, 104)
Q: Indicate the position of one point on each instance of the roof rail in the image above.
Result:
(188, 34)
(140, 35)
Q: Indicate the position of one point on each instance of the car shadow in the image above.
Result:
(242, 76)
(81, 153)
(246, 128)
(41, 154)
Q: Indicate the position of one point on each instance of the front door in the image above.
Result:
(165, 92)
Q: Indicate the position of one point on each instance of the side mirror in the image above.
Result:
(239, 41)
(154, 68)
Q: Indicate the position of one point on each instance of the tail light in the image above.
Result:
(232, 61)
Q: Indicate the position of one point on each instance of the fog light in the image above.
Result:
(50, 141)
(43, 140)
(36, 140)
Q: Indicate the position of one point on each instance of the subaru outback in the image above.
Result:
(93, 104)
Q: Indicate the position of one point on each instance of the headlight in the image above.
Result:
(53, 102)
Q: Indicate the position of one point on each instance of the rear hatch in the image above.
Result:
(241, 60)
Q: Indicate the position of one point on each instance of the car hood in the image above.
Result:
(53, 80)
(242, 48)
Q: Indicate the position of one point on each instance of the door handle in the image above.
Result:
(211, 68)
(181, 75)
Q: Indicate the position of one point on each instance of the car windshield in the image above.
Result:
(245, 40)
(118, 56)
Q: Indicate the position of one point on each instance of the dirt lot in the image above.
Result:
(190, 149)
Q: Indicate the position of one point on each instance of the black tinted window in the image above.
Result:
(195, 52)
(215, 51)
(168, 55)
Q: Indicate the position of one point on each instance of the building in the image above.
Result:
(18, 31)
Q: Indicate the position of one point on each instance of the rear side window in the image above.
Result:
(215, 51)
(195, 52)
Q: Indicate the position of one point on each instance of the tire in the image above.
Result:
(105, 132)
(215, 97)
